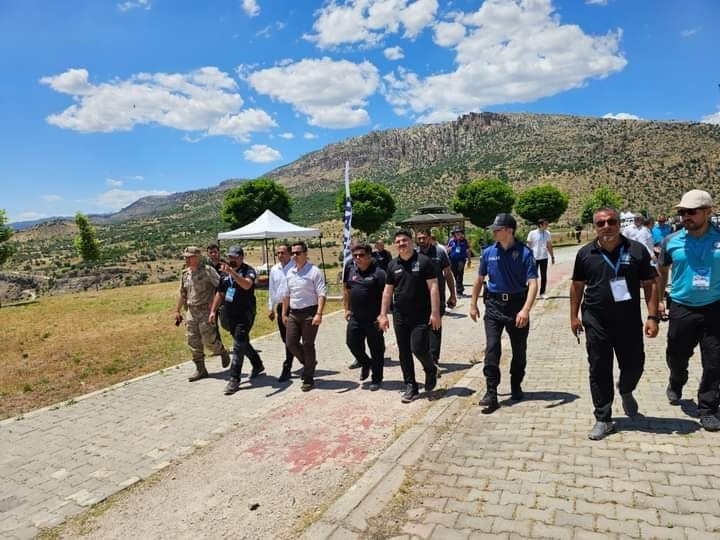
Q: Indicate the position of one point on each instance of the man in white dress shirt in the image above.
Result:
(276, 293)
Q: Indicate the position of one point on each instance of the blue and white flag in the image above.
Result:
(347, 220)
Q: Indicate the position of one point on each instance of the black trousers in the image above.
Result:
(604, 337)
(357, 333)
(499, 316)
(689, 327)
(283, 331)
(542, 265)
(242, 346)
(300, 337)
(458, 271)
(412, 336)
(435, 342)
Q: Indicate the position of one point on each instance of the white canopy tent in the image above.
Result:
(270, 226)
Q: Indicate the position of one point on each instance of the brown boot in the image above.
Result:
(200, 372)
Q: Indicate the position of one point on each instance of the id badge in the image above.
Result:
(701, 279)
(619, 290)
(230, 294)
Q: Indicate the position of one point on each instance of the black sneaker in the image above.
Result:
(257, 371)
(673, 395)
(710, 422)
(410, 393)
(431, 381)
(490, 403)
(374, 386)
(233, 386)
(284, 376)
(629, 405)
(364, 372)
(516, 394)
(355, 365)
(307, 386)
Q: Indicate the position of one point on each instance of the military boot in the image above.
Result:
(200, 371)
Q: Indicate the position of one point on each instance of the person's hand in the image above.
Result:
(662, 312)
(271, 314)
(285, 319)
(552, 259)
(178, 318)
(317, 319)
(435, 321)
(474, 312)
(522, 318)
(576, 326)
(452, 301)
(383, 322)
(348, 314)
(651, 328)
(212, 318)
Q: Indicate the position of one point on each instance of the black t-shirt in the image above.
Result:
(243, 301)
(592, 268)
(382, 258)
(440, 262)
(411, 296)
(365, 290)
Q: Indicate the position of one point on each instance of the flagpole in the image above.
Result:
(347, 219)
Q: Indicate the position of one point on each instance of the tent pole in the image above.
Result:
(322, 259)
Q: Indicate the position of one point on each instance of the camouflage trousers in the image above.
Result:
(200, 334)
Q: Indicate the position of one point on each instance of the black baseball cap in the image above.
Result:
(503, 221)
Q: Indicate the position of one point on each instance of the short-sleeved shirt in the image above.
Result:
(508, 271)
(538, 241)
(592, 268)
(198, 288)
(691, 259)
(243, 300)
(411, 296)
(458, 249)
(382, 258)
(365, 289)
(440, 262)
(305, 286)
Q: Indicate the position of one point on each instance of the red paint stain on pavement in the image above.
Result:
(314, 452)
(366, 422)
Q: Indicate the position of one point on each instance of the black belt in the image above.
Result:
(304, 310)
(506, 297)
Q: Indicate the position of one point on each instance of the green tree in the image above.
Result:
(86, 243)
(542, 201)
(601, 197)
(245, 203)
(6, 250)
(480, 201)
(372, 205)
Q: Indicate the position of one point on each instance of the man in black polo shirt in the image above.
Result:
(607, 277)
(362, 296)
(412, 286)
(508, 296)
(444, 276)
(237, 291)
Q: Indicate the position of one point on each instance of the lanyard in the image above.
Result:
(616, 266)
(692, 246)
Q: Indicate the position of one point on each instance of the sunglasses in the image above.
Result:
(602, 222)
(296, 253)
(360, 254)
(688, 211)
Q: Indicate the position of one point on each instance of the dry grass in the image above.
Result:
(68, 345)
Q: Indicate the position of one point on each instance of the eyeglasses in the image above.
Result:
(360, 254)
(602, 222)
(688, 211)
(296, 253)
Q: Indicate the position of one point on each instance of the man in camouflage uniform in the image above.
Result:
(197, 290)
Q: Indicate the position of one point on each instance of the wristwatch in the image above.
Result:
(655, 318)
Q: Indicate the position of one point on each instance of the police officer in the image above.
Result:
(508, 295)
(197, 289)
(362, 296)
(236, 291)
(607, 277)
(412, 286)
(459, 252)
(444, 275)
(694, 255)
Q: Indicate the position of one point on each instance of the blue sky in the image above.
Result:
(103, 102)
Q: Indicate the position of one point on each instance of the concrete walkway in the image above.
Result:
(528, 470)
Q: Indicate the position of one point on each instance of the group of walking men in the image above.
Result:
(605, 293)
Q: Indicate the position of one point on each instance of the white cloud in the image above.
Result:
(597, 2)
(132, 4)
(205, 101)
(116, 199)
(309, 136)
(330, 93)
(448, 34)
(621, 116)
(113, 182)
(251, 8)
(515, 51)
(137, 177)
(689, 32)
(51, 198)
(394, 53)
(261, 153)
(367, 22)
(286, 135)
(711, 118)
(28, 216)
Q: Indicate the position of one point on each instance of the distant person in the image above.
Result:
(444, 276)
(640, 233)
(692, 256)
(236, 293)
(458, 249)
(362, 298)
(508, 295)
(412, 285)
(213, 254)
(578, 233)
(540, 241)
(608, 275)
(660, 230)
(197, 290)
(277, 286)
(381, 255)
(303, 307)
